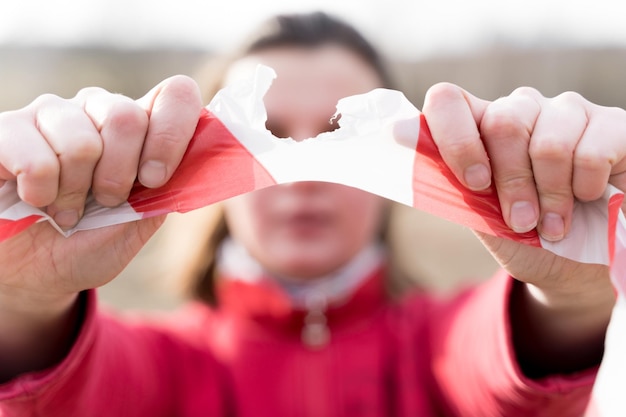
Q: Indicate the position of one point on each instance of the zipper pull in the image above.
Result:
(315, 332)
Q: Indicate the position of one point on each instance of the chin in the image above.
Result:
(307, 267)
(304, 259)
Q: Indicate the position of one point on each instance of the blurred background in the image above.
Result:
(489, 47)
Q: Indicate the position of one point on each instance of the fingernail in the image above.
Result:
(152, 173)
(66, 218)
(552, 227)
(477, 177)
(523, 216)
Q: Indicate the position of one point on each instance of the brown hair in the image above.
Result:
(315, 30)
(310, 30)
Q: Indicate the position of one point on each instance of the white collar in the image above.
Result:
(235, 262)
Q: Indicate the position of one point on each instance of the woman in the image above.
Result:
(301, 324)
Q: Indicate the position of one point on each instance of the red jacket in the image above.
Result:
(421, 357)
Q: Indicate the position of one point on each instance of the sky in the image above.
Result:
(406, 28)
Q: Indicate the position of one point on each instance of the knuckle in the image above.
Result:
(37, 179)
(550, 147)
(555, 200)
(184, 88)
(442, 91)
(617, 112)
(590, 158)
(610, 116)
(86, 92)
(84, 149)
(45, 100)
(514, 181)
(570, 97)
(37, 169)
(126, 115)
(70, 198)
(9, 119)
(49, 107)
(528, 92)
(112, 190)
(500, 122)
(460, 147)
(169, 140)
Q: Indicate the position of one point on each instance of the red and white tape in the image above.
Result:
(382, 146)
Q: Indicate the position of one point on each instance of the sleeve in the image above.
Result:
(116, 368)
(474, 365)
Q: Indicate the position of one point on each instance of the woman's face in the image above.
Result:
(307, 229)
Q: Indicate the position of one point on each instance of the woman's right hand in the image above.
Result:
(58, 151)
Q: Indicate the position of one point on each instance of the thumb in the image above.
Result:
(454, 116)
(173, 108)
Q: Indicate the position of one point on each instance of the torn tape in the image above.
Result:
(383, 146)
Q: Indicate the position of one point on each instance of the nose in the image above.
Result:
(303, 133)
(303, 186)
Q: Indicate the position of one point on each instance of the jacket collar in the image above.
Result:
(267, 304)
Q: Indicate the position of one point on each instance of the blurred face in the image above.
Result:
(308, 229)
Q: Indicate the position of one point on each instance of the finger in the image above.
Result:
(77, 144)
(557, 132)
(453, 116)
(600, 157)
(122, 125)
(26, 156)
(506, 129)
(173, 108)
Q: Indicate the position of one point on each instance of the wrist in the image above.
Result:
(26, 317)
(33, 305)
(587, 297)
(36, 329)
(559, 330)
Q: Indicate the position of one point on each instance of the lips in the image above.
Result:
(307, 223)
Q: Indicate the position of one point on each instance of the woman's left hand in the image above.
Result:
(542, 154)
